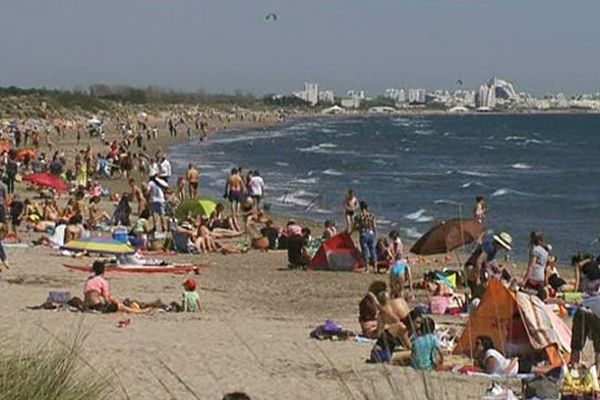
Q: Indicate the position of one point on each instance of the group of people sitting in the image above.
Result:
(98, 298)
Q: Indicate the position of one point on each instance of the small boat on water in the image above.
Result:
(179, 269)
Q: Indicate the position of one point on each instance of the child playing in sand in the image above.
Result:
(426, 353)
(191, 299)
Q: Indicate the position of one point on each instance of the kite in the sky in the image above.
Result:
(459, 82)
(271, 17)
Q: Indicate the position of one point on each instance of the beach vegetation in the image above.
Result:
(50, 371)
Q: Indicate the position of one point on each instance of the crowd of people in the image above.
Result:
(385, 314)
(147, 210)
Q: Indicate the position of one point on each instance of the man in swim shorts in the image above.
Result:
(235, 191)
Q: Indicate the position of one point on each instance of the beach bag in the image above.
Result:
(58, 297)
(541, 387)
(582, 381)
(439, 304)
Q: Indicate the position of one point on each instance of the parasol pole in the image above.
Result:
(462, 234)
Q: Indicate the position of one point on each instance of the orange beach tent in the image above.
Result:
(337, 254)
(519, 324)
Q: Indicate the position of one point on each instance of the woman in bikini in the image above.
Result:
(350, 206)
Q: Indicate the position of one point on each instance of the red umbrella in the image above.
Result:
(447, 236)
(47, 180)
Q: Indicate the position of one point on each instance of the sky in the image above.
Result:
(541, 46)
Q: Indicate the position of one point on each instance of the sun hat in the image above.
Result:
(504, 240)
(190, 284)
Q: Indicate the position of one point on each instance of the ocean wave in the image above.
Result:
(332, 172)
(419, 216)
(424, 132)
(469, 184)
(411, 233)
(282, 164)
(308, 181)
(507, 191)
(447, 202)
(325, 148)
(521, 166)
(300, 198)
(474, 173)
(515, 138)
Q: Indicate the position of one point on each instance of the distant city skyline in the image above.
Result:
(541, 46)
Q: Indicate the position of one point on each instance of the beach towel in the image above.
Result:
(58, 238)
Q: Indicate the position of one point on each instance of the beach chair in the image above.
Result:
(182, 244)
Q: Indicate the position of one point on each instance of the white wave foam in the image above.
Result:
(423, 132)
(411, 233)
(308, 181)
(282, 164)
(469, 184)
(507, 191)
(332, 172)
(419, 216)
(447, 202)
(474, 173)
(521, 166)
(300, 198)
(515, 138)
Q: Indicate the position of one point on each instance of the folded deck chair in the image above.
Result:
(182, 244)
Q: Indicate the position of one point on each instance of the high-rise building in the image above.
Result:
(486, 97)
(416, 96)
(312, 93)
(326, 97)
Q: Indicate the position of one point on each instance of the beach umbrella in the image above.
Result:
(25, 153)
(47, 180)
(99, 245)
(447, 236)
(202, 208)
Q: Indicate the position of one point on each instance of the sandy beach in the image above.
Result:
(253, 336)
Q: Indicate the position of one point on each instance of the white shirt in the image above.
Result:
(165, 169)
(153, 169)
(156, 193)
(257, 186)
(502, 363)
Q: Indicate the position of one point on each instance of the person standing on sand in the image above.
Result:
(193, 176)
(165, 168)
(138, 195)
(350, 206)
(157, 202)
(235, 191)
(480, 209)
(366, 226)
(256, 185)
(535, 276)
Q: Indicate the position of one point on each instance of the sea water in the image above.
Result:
(537, 171)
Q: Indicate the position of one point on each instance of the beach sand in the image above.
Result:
(253, 336)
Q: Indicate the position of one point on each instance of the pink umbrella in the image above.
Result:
(47, 180)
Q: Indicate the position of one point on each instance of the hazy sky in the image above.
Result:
(225, 45)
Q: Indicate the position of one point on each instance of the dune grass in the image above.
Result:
(48, 371)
